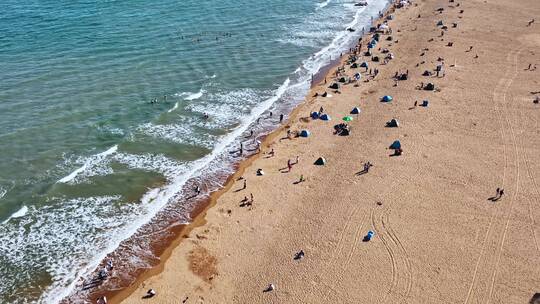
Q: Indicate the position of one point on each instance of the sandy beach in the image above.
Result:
(438, 237)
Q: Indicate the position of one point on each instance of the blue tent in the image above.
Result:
(304, 133)
(425, 103)
(357, 76)
(387, 98)
(355, 110)
(373, 41)
(325, 117)
(364, 65)
(395, 145)
(314, 115)
(370, 46)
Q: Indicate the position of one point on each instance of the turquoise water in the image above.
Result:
(87, 158)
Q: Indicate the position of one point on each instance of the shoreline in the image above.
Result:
(198, 215)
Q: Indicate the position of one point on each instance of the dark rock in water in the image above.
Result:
(350, 29)
(334, 86)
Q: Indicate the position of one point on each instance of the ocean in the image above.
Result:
(102, 134)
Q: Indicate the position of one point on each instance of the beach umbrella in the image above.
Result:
(387, 98)
(347, 118)
(355, 110)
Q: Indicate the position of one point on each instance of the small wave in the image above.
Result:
(190, 95)
(173, 108)
(323, 4)
(20, 213)
(210, 77)
(88, 163)
(2, 192)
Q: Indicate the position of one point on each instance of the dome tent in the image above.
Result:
(305, 133)
(395, 145)
(320, 161)
(355, 110)
(394, 123)
(387, 98)
(324, 117)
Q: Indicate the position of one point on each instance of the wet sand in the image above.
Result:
(438, 238)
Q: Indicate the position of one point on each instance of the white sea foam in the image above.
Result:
(190, 95)
(2, 192)
(323, 4)
(89, 162)
(173, 108)
(19, 213)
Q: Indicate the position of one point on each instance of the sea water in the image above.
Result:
(101, 117)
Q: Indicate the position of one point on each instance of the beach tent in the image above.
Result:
(393, 123)
(354, 65)
(364, 65)
(387, 98)
(425, 103)
(314, 115)
(355, 110)
(334, 86)
(325, 117)
(439, 23)
(344, 79)
(347, 118)
(357, 76)
(320, 161)
(370, 45)
(429, 87)
(369, 236)
(304, 133)
(395, 145)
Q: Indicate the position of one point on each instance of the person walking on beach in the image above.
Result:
(198, 190)
(501, 193)
(245, 185)
(498, 192)
(297, 159)
(241, 149)
(280, 118)
(251, 197)
(289, 165)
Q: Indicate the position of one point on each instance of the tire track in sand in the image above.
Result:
(481, 258)
(534, 184)
(402, 276)
(508, 84)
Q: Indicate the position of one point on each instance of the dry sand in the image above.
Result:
(438, 239)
